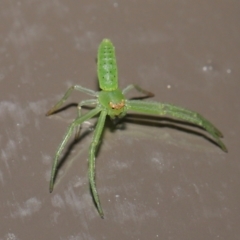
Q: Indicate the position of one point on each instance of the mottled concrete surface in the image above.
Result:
(157, 179)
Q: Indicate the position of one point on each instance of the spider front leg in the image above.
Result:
(76, 122)
(80, 105)
(139, 89)
(92, 152)
(178, 113)
(67, 94)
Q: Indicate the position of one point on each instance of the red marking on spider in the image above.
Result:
(117, 106)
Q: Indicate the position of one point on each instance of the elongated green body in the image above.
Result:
(107, 66)
(111, 101)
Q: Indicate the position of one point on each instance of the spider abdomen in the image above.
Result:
(107, 66)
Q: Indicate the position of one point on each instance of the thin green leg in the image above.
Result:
(83, 103)
(91, 159)
(66, 96)
(139, 89)
(66, 137)
(178, 113)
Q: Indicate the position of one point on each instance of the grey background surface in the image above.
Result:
(157, 179)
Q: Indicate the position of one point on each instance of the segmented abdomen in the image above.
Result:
(107, 66)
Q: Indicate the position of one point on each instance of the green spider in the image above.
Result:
(112, 101)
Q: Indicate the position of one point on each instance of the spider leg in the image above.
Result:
(83, 103)
(67, 94)
(92, 152)
(177, 113)
(77, 121)
(139, 89)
